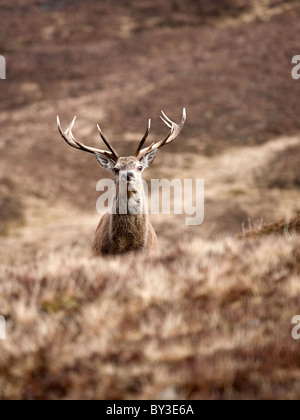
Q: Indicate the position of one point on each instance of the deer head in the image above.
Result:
(126, 169)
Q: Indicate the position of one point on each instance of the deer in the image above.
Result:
(119, 233)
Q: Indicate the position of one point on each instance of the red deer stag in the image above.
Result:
(122, 233)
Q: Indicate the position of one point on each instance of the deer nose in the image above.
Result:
(130, 175)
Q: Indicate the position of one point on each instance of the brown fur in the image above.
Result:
(123, 233)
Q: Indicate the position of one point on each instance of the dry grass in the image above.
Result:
(206, 320)
(11, 206)
(283, 227)
(283, 170)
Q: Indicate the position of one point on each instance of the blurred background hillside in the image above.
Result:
(210, 316)
(228, 62)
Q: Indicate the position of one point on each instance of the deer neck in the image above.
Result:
(129, 231)
(130, 203)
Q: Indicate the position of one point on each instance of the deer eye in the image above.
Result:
(140, 168)
(116, 171)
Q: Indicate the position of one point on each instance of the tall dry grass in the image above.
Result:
(202, 320)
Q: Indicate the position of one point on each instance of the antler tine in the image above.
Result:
(64, 134)
(142, 142)
(166, 119)
(70, 139)
(109, 146)
(175, 129)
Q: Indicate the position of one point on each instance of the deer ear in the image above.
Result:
(148, 158)
(105, 161)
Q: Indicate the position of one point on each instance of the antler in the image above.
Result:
(70, 139)
(142, 142)
(173, 133)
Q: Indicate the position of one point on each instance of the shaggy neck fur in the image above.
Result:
(129, 231)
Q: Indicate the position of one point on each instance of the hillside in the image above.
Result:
(233, 77)
(210, 315)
